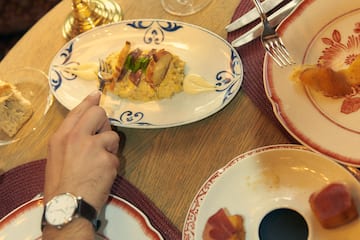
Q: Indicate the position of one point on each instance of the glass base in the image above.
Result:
(102, 12)
(184, 7)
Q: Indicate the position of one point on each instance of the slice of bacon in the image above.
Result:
(135, 77)
(120, 63)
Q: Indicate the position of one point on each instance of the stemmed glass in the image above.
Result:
(184, 7)
(87, 14)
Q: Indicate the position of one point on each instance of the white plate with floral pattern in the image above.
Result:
(318, 32)
(119, 220)
(204, 53)
(257, 182)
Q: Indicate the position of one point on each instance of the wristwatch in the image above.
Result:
(65, 207)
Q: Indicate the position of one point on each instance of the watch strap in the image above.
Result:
(87, 211)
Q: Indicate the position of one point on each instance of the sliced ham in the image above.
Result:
(222, 226)
(333, 206)
(350, 105)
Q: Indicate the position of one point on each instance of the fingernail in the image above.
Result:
(95, 93)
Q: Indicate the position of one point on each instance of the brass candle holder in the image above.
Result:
(87, 14)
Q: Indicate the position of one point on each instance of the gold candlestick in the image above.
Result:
(87, 14)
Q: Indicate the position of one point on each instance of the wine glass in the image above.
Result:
(184, 7)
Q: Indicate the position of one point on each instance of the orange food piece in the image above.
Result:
(158, 67)
(326, 80)
(120, 63)
(222, 226)
(330, 82)
(352, 73)
(333, 206)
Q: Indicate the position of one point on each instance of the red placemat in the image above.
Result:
(22, 183)
(252, 56)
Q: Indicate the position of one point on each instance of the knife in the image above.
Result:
(252, 15)
(274, 20)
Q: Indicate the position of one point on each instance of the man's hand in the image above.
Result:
(82, 155)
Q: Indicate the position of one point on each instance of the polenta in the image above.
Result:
(145, 75)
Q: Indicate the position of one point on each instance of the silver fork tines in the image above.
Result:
(104, 74)
(272, 42)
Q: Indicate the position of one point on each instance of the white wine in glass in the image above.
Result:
(184, 7)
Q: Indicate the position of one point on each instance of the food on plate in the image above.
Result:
(331, 83)
(333, 205)
(194, 84)
(86, 71)
(145, 74)
(350, 105)
(223, 226)
(15, 110)
(325, 80)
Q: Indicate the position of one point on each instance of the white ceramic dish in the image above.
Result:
(32, 83)
(269, 178)
(204, 52)
(317, 32)
(120, 219)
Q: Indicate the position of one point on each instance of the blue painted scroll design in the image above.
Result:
(155, 30)
(56, 76)
(130, 118)
(227, 80)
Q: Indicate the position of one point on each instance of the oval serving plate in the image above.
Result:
(330, 38)
(268, 178)
(119, 218)
(204, 52)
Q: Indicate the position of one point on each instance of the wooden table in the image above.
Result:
(168, 165)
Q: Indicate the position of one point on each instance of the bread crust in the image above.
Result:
(5, 91)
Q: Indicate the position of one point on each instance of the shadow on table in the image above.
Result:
(16, 17)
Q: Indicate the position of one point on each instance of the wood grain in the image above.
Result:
(168, 165)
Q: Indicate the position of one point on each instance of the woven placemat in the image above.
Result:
(24, 182)
(252, 56)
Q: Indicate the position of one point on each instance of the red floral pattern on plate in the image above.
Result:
(344, 51)
(336, 49)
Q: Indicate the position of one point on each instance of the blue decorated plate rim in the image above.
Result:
(131, 114)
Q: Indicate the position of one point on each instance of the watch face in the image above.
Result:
(61, 209)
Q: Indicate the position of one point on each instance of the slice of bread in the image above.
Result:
(15, 110)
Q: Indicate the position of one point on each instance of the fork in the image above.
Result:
(271, 40)
(104, 74)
